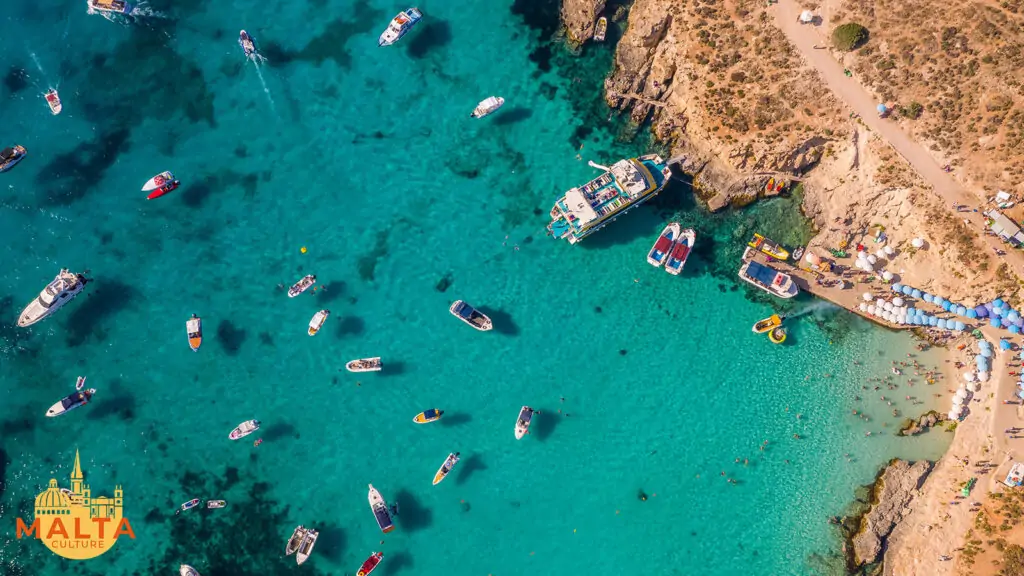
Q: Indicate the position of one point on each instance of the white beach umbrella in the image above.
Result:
(871, 259)
(880, 303)
(862, 255)
(863, 307)
(982, 376)
(887, 306)
(871, 310)
(969, 376)
(889, 250)
(961, 392)
(880, 254)
(887, 276)
(917, 243)
(868, 296)
(957, 403)
(953, 414)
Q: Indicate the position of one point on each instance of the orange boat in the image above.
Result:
(770, 185)
(194, 328)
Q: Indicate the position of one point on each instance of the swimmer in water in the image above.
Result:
(257, 442)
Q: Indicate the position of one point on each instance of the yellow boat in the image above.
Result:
(770, 248)
(777, 335)
(770, 185)
(428, 416)
(767, 324)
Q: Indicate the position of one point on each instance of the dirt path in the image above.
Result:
(805, 37)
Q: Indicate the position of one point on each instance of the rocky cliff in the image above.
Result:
(894, 490)
(724, 87)
(579, 18)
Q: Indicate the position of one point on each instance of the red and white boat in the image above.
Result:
(160, 184)
(680, 252)
(370, 564)
(54, 101)
(659, 252)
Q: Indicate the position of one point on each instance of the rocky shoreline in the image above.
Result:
(876, 511)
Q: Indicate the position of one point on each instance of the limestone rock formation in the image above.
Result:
(579, 18)
(894, 491)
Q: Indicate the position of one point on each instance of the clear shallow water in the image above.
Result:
(367, 157)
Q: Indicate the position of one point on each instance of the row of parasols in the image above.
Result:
(998, 312)
(897, 312)
(1020, 384)
(963, 393)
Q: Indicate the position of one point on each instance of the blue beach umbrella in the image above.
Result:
(911, 312)
(1013, 315)
(907, 290)
(989, 306)
(1006, 323)
(916, 293)
(994, 322)
(896, 287)
(979, 358)
(933, 321)
(959, 326)
(1014, 329)
(961, 310)
(1019, 322)
(986, 352)
(927, 297)
(998, 302)
(1020, 393)
(946, 305)
(971, 314)
(1022, 358)
(981, 311)
(1005, 345)
(941, 324)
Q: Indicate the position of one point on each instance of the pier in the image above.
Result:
(638, 98)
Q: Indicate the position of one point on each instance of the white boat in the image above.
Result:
(111, 6)
(244, 429)
(187, 570)
(293, 543)
(53, 101)
(470, 315)
(80, 383)
(445, 468)
(158, 181)
(381, 511)
(57, 293)
(680, 251)
(302, 285)
(601, 29)
(399, 26)
(306, 546)
(318, 321)
(365, 365)
(488, 106)
(767, 278)
(523, 422)
(194, 331)
(659, 252)
(187, 506)
(70, 402)
(249, 47)
(216, 503)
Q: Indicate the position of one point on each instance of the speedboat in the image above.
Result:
(113, 6)
(248, 46)
(768, 323)
(767, 278)
(523, 423)
(194, 330)
(370, 564)
(470, 315)
(187, 570)
(160, 184)
(759, 242)
(53, 101)
(293, 543)
(306, 546)
(365, 365)
(659, 252)
(10, 156)
(680, 252)
(601, 29)
(187, 506)
(488, 106)
(244, 429)
(57, 293)
(445, 468)
(777, 335)
(216, 503)
(318, 321)
(302, 285)
(381, 511)
(399, 26)
(428, 416)
(70, 402)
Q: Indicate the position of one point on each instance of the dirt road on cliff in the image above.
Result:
(805, 37)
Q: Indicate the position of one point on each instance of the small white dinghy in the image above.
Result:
(302, 285)
(187, 570)
(244, 429)
(80, 383)
(318, 320)
(488, 106)
(523, 423)
(158, 181)
(306, 546)
(365, 365)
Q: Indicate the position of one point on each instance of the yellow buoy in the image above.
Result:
(303, 249)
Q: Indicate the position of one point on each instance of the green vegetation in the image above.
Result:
(913, 110)
(849, 36)
(1013, 561)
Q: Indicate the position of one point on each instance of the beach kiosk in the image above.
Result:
(1016, 475)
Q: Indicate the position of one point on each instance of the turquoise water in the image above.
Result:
(367, 158)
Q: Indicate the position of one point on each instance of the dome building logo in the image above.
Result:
(73, 523)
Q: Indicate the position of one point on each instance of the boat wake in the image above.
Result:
(142, 10)
(812, 308)
(263, 82)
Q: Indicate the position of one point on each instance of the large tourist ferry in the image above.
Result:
(628, 183)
